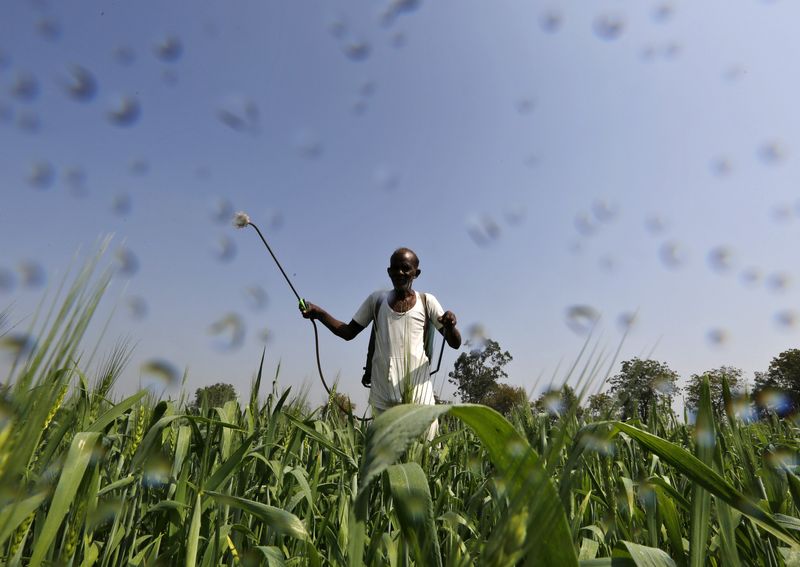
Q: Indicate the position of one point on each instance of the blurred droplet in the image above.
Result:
(32, 274)
(159, 373)
(125, 112)
(782, 213)
(581, 319)
(398, 40)
(137, 307)
(649, 52)
(7, 280)
(122, 204)
(124, 55)
(553, 402)
(222, 210)
(239, 113)
(17, 346)
(307, 144)
(550, 20)
(477, 337)
(256, 296)
(772, 152)
(337, 27)
(5, 60)
(41, 175)
(609, 26)
(627, 320)
(225, 249)
(138, 166)
(48, 28)
(80, 84)
(128, 263)
(663, 12)
(604, 211)
(774, 400)
(156, 471)
(265, 336)
(721, 166)
(386, 177)
(599, 443)
(743, 408)
(721, 259)
(25, 87)
(525, 105)
(367, 88)
(75, 178)
(584, 225)
(672, 49)
(229, 330)
(169, 49)
(734, 73)
(29, 122)
(717, 337)
(356, 49)
(672, 255)
(6, 113)
(786, 319)
(169, 77)
(781, 458)
(483, 230)
(359, 107)
(705, 436)
(607, 263)
(515, 215)
(779, 282)
(750, 277)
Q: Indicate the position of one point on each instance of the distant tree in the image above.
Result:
(559, 401)
(215, 395)
(642, 384)
(476, 372)
(778, 389)
(602, 406)
(504, 398)
(715, 377)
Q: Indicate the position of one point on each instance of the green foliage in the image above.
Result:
(504, 398)
(781, 378)
(715, 378)
(602, 406)
(559, 402)
(477, 372)
(213, 396)
(642, 385)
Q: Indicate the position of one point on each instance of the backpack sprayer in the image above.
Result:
(242, 220)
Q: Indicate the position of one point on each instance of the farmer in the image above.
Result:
(399, 371)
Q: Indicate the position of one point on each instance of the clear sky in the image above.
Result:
(548, 161)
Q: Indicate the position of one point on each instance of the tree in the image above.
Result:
(476, 372)
(642, 384)
(559, 401)
(504, 398)
(215, 395)
(602, 406)
(778, 389)
(715, 378)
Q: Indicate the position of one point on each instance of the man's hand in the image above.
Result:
(312, 311)
(448, 320)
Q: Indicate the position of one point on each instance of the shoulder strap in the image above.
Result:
(426, 333)
(366, 380)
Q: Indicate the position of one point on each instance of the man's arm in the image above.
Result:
(449, 331)
(347, 331)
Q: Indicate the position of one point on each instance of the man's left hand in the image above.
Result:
(448, 320)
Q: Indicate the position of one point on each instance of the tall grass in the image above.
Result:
(89, 480)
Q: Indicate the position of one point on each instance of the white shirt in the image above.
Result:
(400, 367)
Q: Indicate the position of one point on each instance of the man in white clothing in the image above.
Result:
(400, 366)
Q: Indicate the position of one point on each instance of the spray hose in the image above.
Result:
(242, 220)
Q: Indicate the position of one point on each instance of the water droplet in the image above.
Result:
(627, 320)
(786, 319)
(359, 107)
(515, 215)
(663, 12)
(127, 260)
(122, 204)
(553, 402)
(672, 255)
(774, 400)
(721, 259)
(32, 274)
(477, 337)
(75, 178)
(717, 337)
(125, 112)
(137, 307)
(721, 166)
(337, 27)
(25, 87)
(525, 105)
(781, 458)
(551, 20)
(398, 40)
(239, 113)
(584, 224)
(367, 88)
(782, 213)
(7, 280)
(256, 296)
(29, 122)
(705, 437)
(599, 443)
(307, 144)
(532, 160)
(225, 249)
(169, 49)
(386, 177)
(169, 77)
(609, 26)
(772, 152)
(607, 263)
(159, 372)
(483, 230)
(604, 211)
(734, 73)
(581, 319)
(17, 346)
(750, 277)
(222, 210)
(672, 50)
(230, 329)
(41, 175)
(48, 28)
(265, 336)
(356, 49)
(124, 55)
(779, 282)
(156, 471)
(138, 166)
(6, 113)
(743, 409)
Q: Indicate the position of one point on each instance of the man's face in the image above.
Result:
(403, 271)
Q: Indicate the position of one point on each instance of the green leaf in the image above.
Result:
(116, 411)
(644, 556)
(15, 513)
(279, 520)
(705, 438)
(412, 499)
(78, 457)
(193, 540)
(225, 469)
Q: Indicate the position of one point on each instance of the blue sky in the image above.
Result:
(538, 156)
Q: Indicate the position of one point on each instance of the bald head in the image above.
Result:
(405, 253)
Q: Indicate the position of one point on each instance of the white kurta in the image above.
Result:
(400, 367)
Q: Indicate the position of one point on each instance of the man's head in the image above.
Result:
(403, 268)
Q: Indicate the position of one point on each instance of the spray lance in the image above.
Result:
(242, 220)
